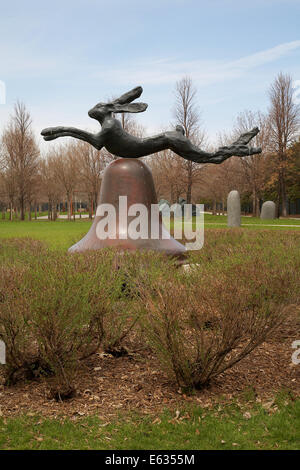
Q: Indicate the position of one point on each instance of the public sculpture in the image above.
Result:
(118, 142)
(233, 209)
(132, 178)
(268, 210)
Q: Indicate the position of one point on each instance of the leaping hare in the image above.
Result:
(118, 142)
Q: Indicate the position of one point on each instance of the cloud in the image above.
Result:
(263, 57)
(205, 72)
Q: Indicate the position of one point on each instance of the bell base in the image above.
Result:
(169, 247)
(132, 178)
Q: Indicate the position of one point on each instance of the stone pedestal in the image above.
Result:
(132, 178)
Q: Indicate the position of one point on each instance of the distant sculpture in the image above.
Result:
(163, 201)
(178, 210)
(268, 210)
(118, 142)
(233, 209)
(164, 208)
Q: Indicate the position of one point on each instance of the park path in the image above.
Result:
(85, 216)
(45, 217)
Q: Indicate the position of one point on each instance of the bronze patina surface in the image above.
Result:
(131, 178)
(122, 144)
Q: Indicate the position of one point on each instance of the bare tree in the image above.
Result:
(166, 168)
(91, 163)
(66, 170)
(20, 155)
(254, 167)
(218, 181)
(187, 115)
(284, 119)
(52, 188)
(7, 182)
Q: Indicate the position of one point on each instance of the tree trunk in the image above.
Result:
(255, 198)
(55, 210)
(69, 207)
(214, 207)
(284, 210)
(189, 183)
(22, 208)
(90, 207)
(254, 202)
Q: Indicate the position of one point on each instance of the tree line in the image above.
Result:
(273, 175)
(29, 178)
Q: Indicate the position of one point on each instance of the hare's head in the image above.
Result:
(120, 105)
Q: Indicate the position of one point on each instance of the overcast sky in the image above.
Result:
(62, 57)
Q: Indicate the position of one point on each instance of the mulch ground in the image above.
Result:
(107, 385)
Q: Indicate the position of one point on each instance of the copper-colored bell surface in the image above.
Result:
(132, 178)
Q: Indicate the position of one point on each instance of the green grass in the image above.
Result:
(255, 221)
(223, 427)
(61, 234)
(220, 221)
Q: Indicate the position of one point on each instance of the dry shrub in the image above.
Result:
(58, 310)
(202, 322)
(21, 348)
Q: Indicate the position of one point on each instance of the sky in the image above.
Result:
(62, 57)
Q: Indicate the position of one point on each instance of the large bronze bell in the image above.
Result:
(132, 178)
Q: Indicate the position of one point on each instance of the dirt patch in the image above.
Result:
(107, 385)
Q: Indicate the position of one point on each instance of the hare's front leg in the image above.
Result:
(51, 133)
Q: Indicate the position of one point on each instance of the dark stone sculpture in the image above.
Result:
(118, 142)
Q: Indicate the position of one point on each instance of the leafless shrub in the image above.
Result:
(204, 322)
(58, 310)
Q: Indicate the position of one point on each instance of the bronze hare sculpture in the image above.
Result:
(118, 142)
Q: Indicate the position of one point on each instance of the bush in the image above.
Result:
(59, 309)
(202, 322)
(21, 347)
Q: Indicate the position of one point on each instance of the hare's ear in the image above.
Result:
(129, 108)
(129, 96)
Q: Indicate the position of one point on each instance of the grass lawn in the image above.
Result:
(240, 427)
(252, 222)
(61, 234)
